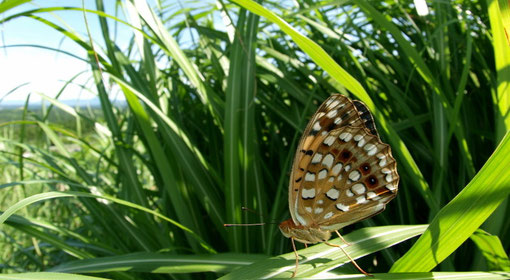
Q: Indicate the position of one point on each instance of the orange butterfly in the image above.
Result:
(342, 173)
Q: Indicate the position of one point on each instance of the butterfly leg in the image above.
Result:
(351, 259)
(341, 237)
(297, 257)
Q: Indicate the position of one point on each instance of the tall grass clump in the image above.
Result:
(216, 97)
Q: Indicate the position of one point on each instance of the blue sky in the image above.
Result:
(44, 70)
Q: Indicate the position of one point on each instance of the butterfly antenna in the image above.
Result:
(249, 225)
(244, 225)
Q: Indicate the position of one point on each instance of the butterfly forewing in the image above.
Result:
(342, 173)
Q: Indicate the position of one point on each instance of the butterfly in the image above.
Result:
(342, 173)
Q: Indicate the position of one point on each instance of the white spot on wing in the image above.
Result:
(347, 167)
(337, 168)
(371, 195)
(361, 143)
(331, 179)
(329, 140)
(334, 104)
(320, 201)
(333, 194)
(317, 126)
(318, 210)
(308, 209)
(349, 193)
(385, 171)
(328, 215)
(319, 115)
(337, 120)
(361, 200)
(328, 160)
(354, 175)
(389, 178)
(371, 149)
(331, 114)
(391, 187)
(358, 188)
(308, 193)
(310, 177)
(345, 136)
(317, 158)
(322, 174)
(342, 207)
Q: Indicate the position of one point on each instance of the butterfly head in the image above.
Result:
(304, 234)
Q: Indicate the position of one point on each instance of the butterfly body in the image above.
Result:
(342, 172)
(306, 235)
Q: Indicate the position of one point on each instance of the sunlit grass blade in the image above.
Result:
(160, 263)
(322, 257)
(462, 216)
(473, 275)
(492, 250)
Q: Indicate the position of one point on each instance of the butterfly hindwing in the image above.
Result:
(342, 172)
(335, 112)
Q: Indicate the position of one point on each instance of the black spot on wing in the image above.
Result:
(330, 127)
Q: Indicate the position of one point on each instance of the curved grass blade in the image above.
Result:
(457, 221)
(49, 195)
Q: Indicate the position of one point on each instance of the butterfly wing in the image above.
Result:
(337, 111)
(343, 173)
(362, 179)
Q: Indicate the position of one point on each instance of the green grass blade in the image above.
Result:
(499, 15)
(47, 275)
(322, 257)
(50, 195)
(172, 48)
(492, 250)
(475, 275)
(462, 216)
(160, 263)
